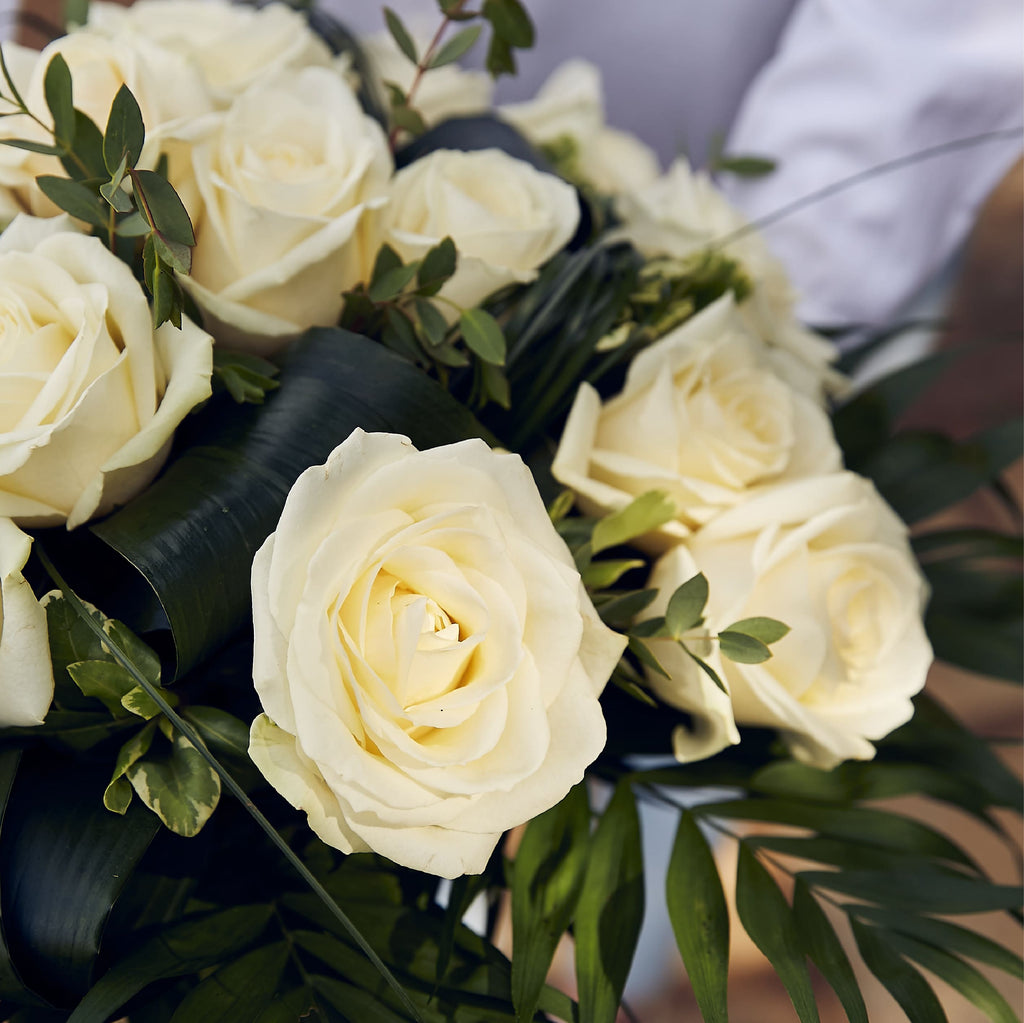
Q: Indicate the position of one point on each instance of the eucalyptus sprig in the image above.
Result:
(400, 304)
(511, 29)
(105, 188)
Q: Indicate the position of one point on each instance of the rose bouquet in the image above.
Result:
(451, 474)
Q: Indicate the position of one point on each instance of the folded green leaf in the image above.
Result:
(768, 919)
(700, 919)
(610, 909)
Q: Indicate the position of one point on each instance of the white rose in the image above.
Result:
(91, 394)
(26, 678)
(505, 217)
(15, 177)
(448, 91)
(703, 417)
(231, 45)
(167, 89)
(682, 213)
(570, 106)
(287, 177)
(829, 558)
(427, 658)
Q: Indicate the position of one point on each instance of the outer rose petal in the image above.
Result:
(428, 768)
(26, 678)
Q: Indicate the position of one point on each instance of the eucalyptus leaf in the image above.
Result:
(700, 918)
(610, 909)
(456, 47)
(391, 283)
(59, 100)
(742, 648)
(165, 209)
(483, 335)
(85, 161)
(767, 630)
(74, 198)
(437, 266)
(433, 323)
(686, 605)
(599, 575)
(125, 133)
(403, 39)
(31, 146)
(768, 919)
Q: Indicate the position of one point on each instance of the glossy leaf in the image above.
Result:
(768, 919)
(62, 871)
(700, 918)
(546, 879)
(219, 729)
(192, 535)
(610, 909)
(820, 943)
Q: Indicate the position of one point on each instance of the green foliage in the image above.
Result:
(247, 378)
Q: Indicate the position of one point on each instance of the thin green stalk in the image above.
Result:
(866, 175)
(232, 786)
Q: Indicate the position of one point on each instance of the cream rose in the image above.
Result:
(26, 678)
(569, 108)
(703, 417)
(505, 217)
(287, 177)
(428, 661)
(91, 394)
(230, 45)
(681, 214)
(443, 92)
(829, 558)
(99, 67)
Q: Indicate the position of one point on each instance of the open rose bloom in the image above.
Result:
(426, 656)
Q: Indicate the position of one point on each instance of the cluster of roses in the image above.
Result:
(427, 657)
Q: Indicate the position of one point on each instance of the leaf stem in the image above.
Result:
(228, 781)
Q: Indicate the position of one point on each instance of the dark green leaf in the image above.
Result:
(193, 534)
(247, 377)
(10, 81)
(59, 100)
(500, 60)
(165, 208)
(686, 605)
(219, 729)
(408, 119)
(649, 628)
(623, 608)
(399, 335)
(104, 680)
(646, 656)
(61, 871)
(391, 283)
(745, 166)
(455, 47)
(858, 824)
(386, 260)
(494, 384)
(767, 630)
(46, 148)
(700, 919)
(438, 265)
(176, 951)
(85, 162)
(546, 879)
(744, 649)
(400, 34)
(74, 198)
(510, 22)
(113, 192)
(820, 943)
(976, 988)
(610, 909)
(434, 325)
(903, 982)
(125, 132)
(920, 890)
(768, 919)
(943, 934)
(707, 669)
(173, 254)
(483, 335)
(238, 991)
